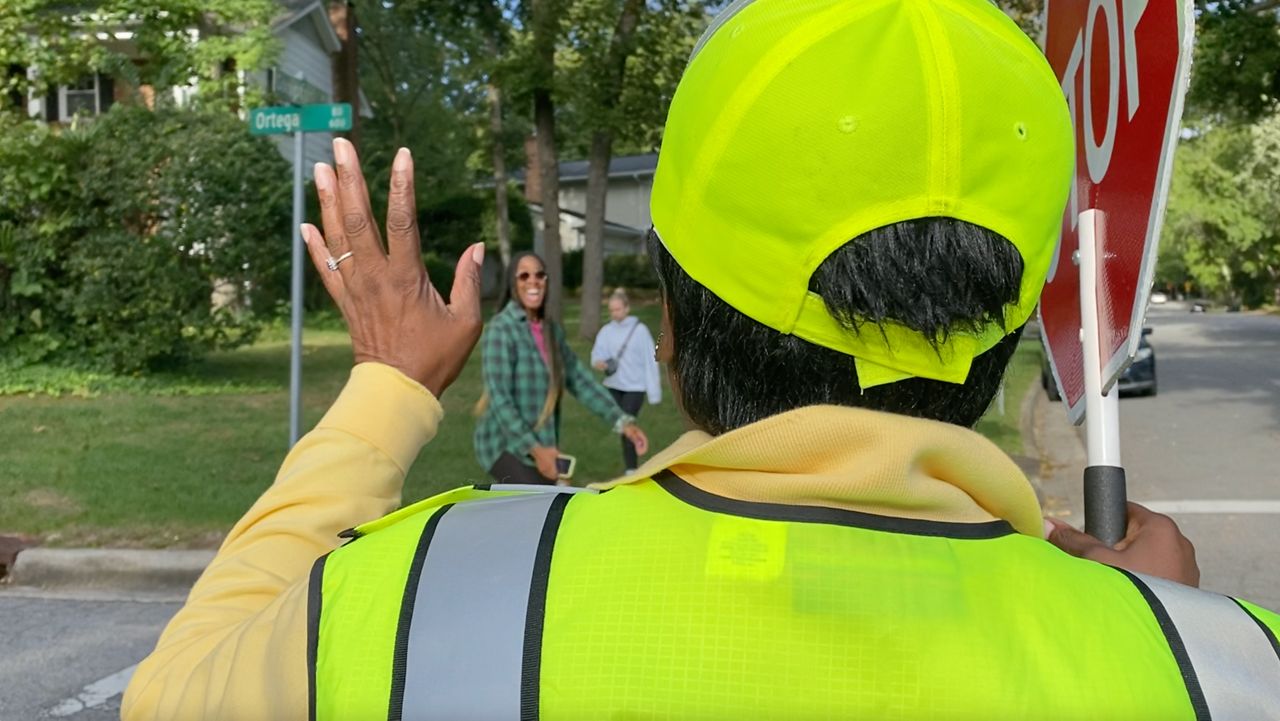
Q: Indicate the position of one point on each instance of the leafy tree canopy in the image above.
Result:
(1222, 230)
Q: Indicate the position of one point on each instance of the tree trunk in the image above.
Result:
(610, 90)
(549, 169)
(499, 174)
(545, 26)
(344, 64)
(500, 188)
(593, 251)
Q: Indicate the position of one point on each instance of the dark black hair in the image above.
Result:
(935, 275)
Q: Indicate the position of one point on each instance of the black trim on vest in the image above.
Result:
(1266, 630)
(482, 486)
(314, 599)
(1195, 694)
(694, 496)
(400, 656)
(531, 668)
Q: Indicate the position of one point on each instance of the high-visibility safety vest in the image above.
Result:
(657, 600)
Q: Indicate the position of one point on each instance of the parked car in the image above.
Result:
(1138, 379)
(1158, 298)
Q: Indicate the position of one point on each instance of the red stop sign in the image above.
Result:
(1123, 65)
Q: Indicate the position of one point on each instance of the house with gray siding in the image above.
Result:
(626, 214)
(302, 74)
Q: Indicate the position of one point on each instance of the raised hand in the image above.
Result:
(393, 313)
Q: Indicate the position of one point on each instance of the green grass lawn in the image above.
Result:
(174, 460)
(1023, 376)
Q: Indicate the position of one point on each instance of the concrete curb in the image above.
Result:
(125, 570)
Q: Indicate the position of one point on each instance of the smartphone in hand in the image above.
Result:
(564, 466)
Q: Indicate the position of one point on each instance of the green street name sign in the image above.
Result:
(324, 118)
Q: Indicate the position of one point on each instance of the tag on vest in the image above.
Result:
(745, 549)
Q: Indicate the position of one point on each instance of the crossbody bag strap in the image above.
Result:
(623, 349)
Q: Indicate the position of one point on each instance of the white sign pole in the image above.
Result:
(295, 358)
(1104, 481)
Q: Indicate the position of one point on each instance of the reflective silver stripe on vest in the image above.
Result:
(466, 638)
(1238, 669)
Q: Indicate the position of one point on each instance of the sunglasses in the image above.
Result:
(525, 275)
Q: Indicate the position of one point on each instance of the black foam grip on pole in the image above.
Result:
(1104, 503)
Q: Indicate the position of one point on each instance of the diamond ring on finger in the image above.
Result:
(333, 263)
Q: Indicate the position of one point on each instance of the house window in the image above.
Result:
(79, 98)
(15, 96)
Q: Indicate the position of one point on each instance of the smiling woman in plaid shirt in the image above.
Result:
(527, 366)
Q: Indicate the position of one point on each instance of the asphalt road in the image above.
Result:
(69, 657)
(1212, 434)
(1206, 448)
(1213, 429)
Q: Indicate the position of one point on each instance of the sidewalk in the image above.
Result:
(1049, 436)
(1052, 450)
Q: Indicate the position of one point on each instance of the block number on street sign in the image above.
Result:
(1123, 66)
(321, 118)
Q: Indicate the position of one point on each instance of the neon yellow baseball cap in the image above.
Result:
(802, 124)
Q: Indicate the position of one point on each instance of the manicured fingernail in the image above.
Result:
(401, 163)
(322, 178)
(477, 254)
(1048, 527)
(341, 151)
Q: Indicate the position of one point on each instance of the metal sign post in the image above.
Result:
(299, 120)
(295, 296)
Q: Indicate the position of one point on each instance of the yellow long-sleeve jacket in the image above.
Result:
(237, 649)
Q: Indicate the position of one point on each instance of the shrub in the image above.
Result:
(449, 225)
(571, 268)
(629, 271)
(113, 238)
(38, 228)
